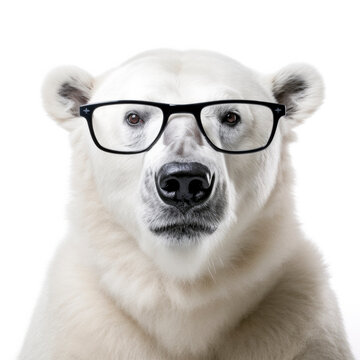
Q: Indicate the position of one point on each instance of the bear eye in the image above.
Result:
(134, 119)
(231, 118)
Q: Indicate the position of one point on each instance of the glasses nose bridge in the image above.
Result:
(183, 110)
(173, 111)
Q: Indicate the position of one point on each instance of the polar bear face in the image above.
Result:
(183, 202)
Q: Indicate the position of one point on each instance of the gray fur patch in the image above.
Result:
(194, 132)
(287, 93)
(69, 91)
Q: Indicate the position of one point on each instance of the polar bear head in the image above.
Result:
(184, 181)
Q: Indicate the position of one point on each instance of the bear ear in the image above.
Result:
(300, 88)
(64, 90)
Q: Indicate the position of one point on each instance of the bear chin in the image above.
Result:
(181, 233)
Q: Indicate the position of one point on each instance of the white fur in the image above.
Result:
(254, 289)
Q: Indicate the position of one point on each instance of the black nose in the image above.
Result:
(184, 185)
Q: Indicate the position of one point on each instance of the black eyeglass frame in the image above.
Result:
(278, 110)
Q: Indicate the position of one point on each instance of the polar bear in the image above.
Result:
(182, 241)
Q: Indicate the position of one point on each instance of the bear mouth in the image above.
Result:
(180, 231)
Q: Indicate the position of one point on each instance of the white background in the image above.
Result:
(97, 35)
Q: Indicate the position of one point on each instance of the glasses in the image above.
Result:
(229, 126)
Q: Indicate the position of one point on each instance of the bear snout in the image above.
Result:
(184, 185)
